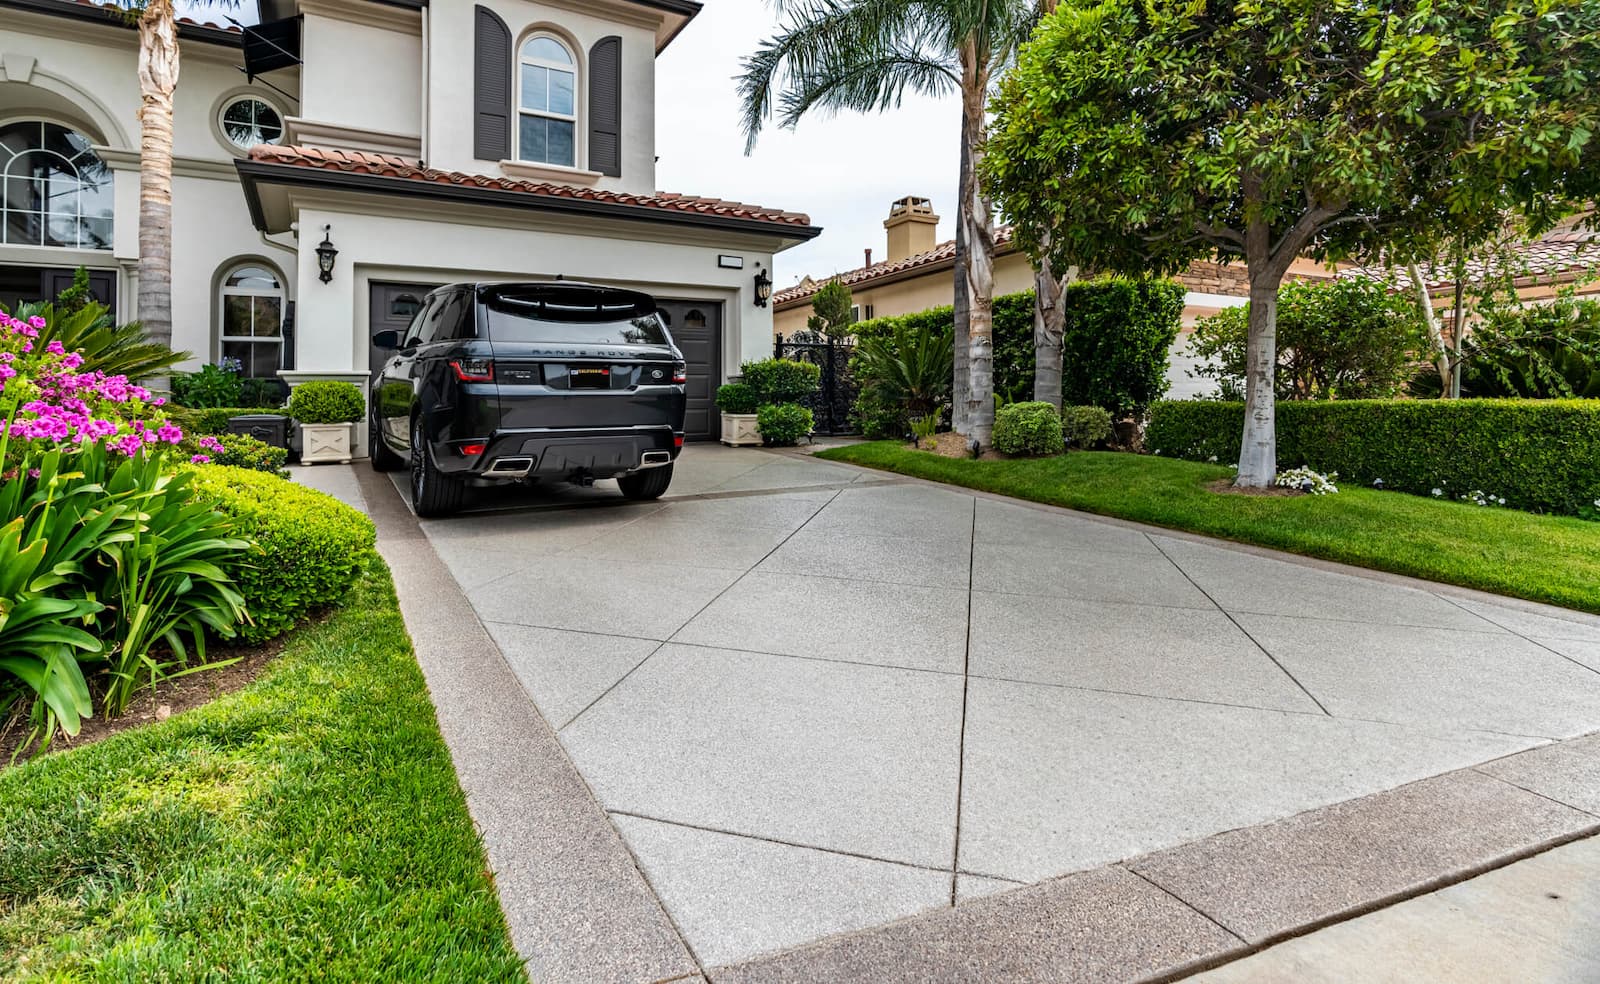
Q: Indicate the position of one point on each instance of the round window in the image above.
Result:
(248, 121)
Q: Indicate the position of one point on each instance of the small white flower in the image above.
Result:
(1212, 459)
(1502, 500)
(1437, 493)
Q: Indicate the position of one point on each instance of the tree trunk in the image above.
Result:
(158, 79)
(1049, 325)
(1441, 355)
(1258, 453)
(977, 221)
(958, 386)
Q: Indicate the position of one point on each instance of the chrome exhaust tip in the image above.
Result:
(509, 467)
(655, 459)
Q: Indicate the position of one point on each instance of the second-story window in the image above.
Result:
(547, 118)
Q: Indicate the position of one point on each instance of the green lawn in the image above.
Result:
(306, 828)
(1542, 558)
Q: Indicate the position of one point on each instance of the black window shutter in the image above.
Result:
(605, 107)
(491, 87)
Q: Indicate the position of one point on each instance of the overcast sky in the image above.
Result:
(843, 171)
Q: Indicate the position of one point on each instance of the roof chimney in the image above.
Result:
(868, 253)
(913, 228)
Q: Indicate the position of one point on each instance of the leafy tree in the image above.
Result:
(1139, 136)
(1346, 339)
(864, 55)
(830, 309)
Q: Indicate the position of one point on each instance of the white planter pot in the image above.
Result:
(322, 444)
(739, 430)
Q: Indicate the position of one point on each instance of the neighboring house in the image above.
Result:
(918, 273)
(416, 144)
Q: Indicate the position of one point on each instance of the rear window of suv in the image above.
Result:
(530, 319)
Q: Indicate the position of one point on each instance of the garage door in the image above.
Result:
(697, 328)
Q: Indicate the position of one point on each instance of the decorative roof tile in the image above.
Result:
(1561, 254)
(391, 166)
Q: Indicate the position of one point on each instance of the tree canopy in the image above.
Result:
(1139, 135)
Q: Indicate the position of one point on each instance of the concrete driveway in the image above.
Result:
(814, 699)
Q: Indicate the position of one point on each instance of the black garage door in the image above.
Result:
(697, 328)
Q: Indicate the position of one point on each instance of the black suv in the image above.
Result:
(498, 383)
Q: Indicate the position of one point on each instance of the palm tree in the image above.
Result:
(158, 79)
(864, 55)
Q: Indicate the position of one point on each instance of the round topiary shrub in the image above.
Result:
(1084, 427)
(1027, 429)
(326, 401)
(784, 424)
(737, 398)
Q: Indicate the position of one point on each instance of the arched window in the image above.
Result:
(547, 117)
(54, 190)
(251, 321)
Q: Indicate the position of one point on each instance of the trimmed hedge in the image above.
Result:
(1541, 455)
(1027, 429)
(737, 398)
(309, 546)
(1116, 342)
(780, 380)
(214, 420)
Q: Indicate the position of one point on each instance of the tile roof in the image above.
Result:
(388, 165)
(1561, 252)
(941, 253)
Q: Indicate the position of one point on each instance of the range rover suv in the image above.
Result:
(525, 382)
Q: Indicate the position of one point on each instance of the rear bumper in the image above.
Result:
(558, 453)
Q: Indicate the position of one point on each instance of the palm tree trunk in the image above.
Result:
(963, 307)
(158, 78)
(977, 221)
(1430, 317)
(1049, 325)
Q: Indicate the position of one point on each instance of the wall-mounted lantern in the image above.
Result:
(763, 287)
(325, 255)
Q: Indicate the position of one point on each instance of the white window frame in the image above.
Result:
(234, 100)
(224, 291)
(571, 67)
(69, 165)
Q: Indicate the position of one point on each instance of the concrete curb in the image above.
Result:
(578, 908)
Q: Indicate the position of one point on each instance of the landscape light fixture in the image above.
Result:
(763, 287)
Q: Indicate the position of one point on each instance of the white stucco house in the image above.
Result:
(423, 142)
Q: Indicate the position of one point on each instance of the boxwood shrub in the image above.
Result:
(737, 398)
(213, 420)
(784, 424)
(1084, 427)
(1541, 455)
(1027, 428)
(780, 380)
(309, 545)
(326, 401)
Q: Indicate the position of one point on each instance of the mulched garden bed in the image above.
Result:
(167, 698)
(1225, 486)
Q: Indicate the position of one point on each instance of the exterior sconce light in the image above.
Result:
(325, 255)
(763, 287)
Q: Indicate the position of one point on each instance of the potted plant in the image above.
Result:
(738, 403)
(326, 411)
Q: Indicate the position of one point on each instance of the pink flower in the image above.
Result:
(169, 433)
(211, 444)
(56, 348)
(200, 459)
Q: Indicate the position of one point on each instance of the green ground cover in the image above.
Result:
(1541, 558)
(308, 827)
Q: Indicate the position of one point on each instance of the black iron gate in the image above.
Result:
(831, 404)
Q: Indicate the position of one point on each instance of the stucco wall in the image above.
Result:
(363, 75)
(450, 117)
(333, 322)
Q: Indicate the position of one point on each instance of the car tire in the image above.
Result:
(383, 459)
(643, 486)
(433, 493)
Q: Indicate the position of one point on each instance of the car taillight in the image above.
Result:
(473, 450)
(473, 370)
(680, 373)
(677, 440)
